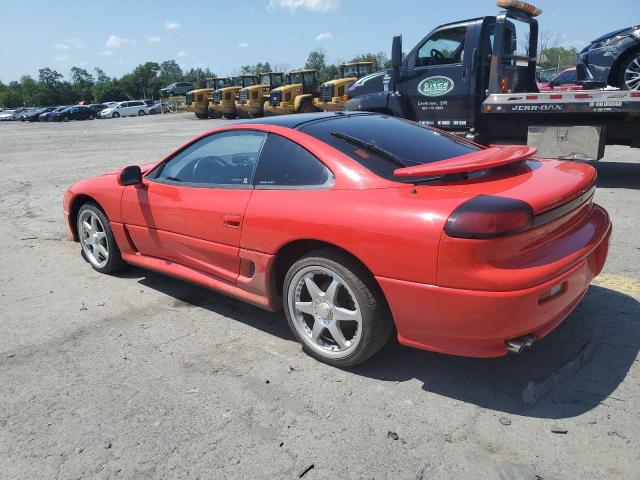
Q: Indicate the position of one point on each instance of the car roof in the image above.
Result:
(297, 120)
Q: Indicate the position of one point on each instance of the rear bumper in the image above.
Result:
(477, 323)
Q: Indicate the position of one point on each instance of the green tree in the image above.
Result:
(256, 69)
(82, 83)
(380, 60)
(557, 57)
(316, 59)
(101, 77)
(194, 75)
(170, 71)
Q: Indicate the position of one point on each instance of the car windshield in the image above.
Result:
(383, 144)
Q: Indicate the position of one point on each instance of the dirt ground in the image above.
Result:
(142, 376)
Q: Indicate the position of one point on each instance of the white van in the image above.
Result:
(125, 109)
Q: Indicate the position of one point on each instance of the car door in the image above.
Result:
(190, 208)
(438, 77)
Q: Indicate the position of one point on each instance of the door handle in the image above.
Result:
(232, 221)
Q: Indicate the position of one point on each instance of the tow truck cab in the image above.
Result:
(476, 78)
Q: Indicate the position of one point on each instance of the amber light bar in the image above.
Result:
(518, 5)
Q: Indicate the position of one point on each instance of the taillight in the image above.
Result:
(486, 216)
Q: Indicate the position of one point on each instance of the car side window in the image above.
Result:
(443, 48)
(221, 159)
(285, 164)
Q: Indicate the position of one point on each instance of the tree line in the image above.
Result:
(51, 88)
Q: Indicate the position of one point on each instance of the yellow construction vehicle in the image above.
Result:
(250, 103)
(223, 101)
(296, 96)
(332, 93)
(197, 101)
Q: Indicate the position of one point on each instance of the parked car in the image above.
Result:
(613, 59)
(33, 115)
(356, 222)
(76, 112)
(125, 109)
(177, 88)
(7, 115)
(98, 107)
(564, 81)
(46, 116)
(157, 107)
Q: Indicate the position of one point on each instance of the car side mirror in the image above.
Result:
(131, 175)
(396, 52)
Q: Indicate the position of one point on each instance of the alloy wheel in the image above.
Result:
(325, 311)
(632, 74)
(93, 238)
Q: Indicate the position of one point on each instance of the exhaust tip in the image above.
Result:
(519, 344)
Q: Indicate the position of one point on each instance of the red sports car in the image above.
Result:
(357, 223)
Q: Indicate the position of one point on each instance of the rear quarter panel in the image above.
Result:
(393, 231)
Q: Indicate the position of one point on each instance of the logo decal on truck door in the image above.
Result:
(435, 86)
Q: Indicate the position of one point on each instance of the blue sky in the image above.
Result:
(223, 35)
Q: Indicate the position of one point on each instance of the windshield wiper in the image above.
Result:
(372, 147)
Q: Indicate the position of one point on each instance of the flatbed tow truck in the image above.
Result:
(470, 78)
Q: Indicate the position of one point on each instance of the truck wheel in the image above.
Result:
(335, 308)
(255, 115)
(202, 116)
(629, 73)
(214, 114)
(230, 116)
(306, 107)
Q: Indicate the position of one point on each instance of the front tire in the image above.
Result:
(335, 308)
(141, 113)
(115, 115)
(99, 247)
(629, 73)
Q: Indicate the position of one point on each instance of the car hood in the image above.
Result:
(622, 31)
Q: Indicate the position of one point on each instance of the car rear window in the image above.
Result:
(410, 142)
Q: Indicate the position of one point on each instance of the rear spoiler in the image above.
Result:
(492, 157)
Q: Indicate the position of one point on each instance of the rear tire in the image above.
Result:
(99, 246)
(230, 116)
(202, 116)
(65, 118)
(351, 321)
(91, 117)
(629, 72)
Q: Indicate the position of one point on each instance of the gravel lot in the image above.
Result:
(142, 376)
